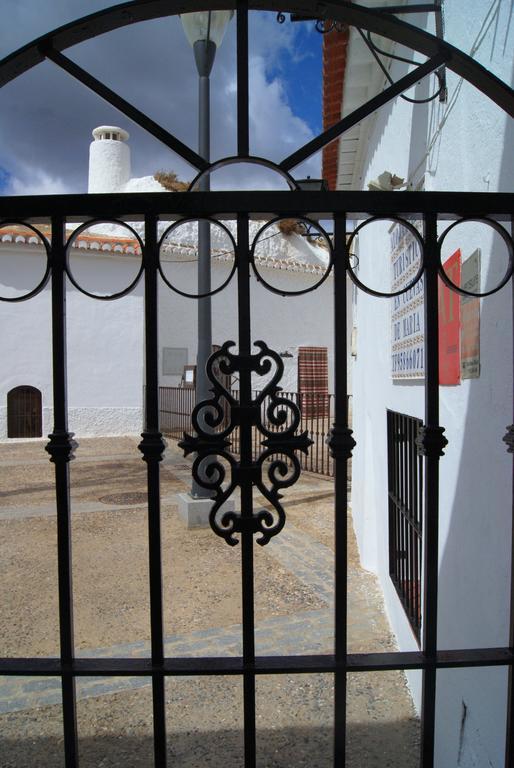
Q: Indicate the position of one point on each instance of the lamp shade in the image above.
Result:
(206, 25)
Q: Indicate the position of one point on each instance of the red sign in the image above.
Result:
(449, 323)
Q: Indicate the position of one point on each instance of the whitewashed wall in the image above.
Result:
(470, 146)
(105, 338)
(105, 345)
(284, 323)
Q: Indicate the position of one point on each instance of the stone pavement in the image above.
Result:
(309, 631)
(301, 633)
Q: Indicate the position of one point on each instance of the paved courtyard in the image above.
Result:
(294, 614)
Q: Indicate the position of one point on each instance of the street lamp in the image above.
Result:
(205, 31)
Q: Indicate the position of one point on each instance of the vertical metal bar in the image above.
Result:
(390, 488)
(317, 428)
(410, 529)
(431, 443)
(321, 469)
(406, 422)
(509, 439)
(412, 469)
(421, 522)
(243, 126)
(245, 437)
(152, 447)
(403, 454)
(61, 447)
(397, 493)
(341, 445)
(400, 497)
(399, 486)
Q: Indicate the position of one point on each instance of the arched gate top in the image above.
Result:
(385, 25)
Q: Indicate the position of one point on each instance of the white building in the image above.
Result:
(105, 338)
(464, 143)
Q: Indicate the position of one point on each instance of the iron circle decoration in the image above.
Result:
(507, 239)
(175, 226)
(98, 222)
(417, 237)
(310, 224)
(237, 160)
(46, 274)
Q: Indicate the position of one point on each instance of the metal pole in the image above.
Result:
(204, 51)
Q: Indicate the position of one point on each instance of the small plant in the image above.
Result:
(169, 180)
(291, 227)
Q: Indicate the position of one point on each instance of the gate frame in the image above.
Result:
(431, 207)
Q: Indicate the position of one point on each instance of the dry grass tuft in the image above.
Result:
(169, 180)
(291, 227)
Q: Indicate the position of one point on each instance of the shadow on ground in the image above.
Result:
(369, 746)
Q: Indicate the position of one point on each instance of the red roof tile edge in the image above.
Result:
(335, 49)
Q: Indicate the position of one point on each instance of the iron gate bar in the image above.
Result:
(509, 439)
(134, 114)
(263, 665)
(380, 23)
(152, 447)
(61, 447)
(431, 444)
(341, 444)
(243, 108)
(359, 114)
(246, 460)
(226, 205)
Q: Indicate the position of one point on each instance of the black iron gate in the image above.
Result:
(248, 357)
(248, 473)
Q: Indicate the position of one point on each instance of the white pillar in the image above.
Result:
(109, 159)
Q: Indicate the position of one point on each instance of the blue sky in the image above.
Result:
(302, 74)
(4, 179)
(46, 117)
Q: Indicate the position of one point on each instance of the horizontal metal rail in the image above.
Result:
(225, 205)
(263, 665)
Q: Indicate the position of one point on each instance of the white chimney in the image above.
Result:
(109, 159)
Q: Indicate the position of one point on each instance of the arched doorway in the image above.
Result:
(24, 412)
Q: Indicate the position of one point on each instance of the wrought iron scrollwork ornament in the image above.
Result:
(321, 25)
(270, 466)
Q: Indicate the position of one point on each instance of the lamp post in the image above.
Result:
(205, 31)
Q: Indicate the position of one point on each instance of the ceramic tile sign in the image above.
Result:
(449, 323)
(407, 311)
(470, 318)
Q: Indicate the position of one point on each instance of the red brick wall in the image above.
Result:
(335, 46)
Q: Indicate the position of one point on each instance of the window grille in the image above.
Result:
(405, 474)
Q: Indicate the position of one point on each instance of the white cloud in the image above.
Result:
(152, 66)
(36, 181)
(275, 129)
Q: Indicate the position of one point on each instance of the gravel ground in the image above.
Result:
(202, 591)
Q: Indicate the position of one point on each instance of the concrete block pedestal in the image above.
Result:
(195, 512)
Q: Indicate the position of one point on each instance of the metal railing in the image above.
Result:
(317, 410)
(405, 470)
(175, 408)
